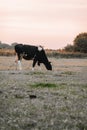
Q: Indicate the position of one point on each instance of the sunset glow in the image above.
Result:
(50, 23)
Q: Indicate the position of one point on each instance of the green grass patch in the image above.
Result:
(68, 73)
(49, 85)
(38, 72)
(84, 86)
(34, 73)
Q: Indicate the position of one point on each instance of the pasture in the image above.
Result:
(41, 99)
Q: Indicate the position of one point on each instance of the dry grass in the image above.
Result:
(7, 52)
(43, 100)
(50, 53)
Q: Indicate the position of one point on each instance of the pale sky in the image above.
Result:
(50, 23)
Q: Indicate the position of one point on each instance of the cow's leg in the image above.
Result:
(19, 65)
(34, 63)
(38, 63)
(18, 61)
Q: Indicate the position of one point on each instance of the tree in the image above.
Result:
(80, 43)
(13, 45)
(69, 48)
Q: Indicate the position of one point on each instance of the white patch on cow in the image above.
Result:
(19, 65)
(40, 48)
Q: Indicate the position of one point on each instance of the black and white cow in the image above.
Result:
(35, 53)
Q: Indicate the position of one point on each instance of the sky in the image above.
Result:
(50, 23)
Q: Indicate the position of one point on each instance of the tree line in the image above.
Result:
(79, 44)
(7, 46)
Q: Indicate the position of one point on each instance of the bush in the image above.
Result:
(69, 48)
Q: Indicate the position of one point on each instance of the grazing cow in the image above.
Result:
(35, 53)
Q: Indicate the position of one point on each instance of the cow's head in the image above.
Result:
(48, 65)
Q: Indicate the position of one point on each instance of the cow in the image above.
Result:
(30, 52)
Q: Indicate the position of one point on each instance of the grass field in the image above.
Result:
(41, 99)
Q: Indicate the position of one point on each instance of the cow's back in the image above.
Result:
(30, 50)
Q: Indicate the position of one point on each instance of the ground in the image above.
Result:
(41, 99)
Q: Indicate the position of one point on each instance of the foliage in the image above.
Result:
(80, 43)
(7, 46)
(69, 48)
(4, 45)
